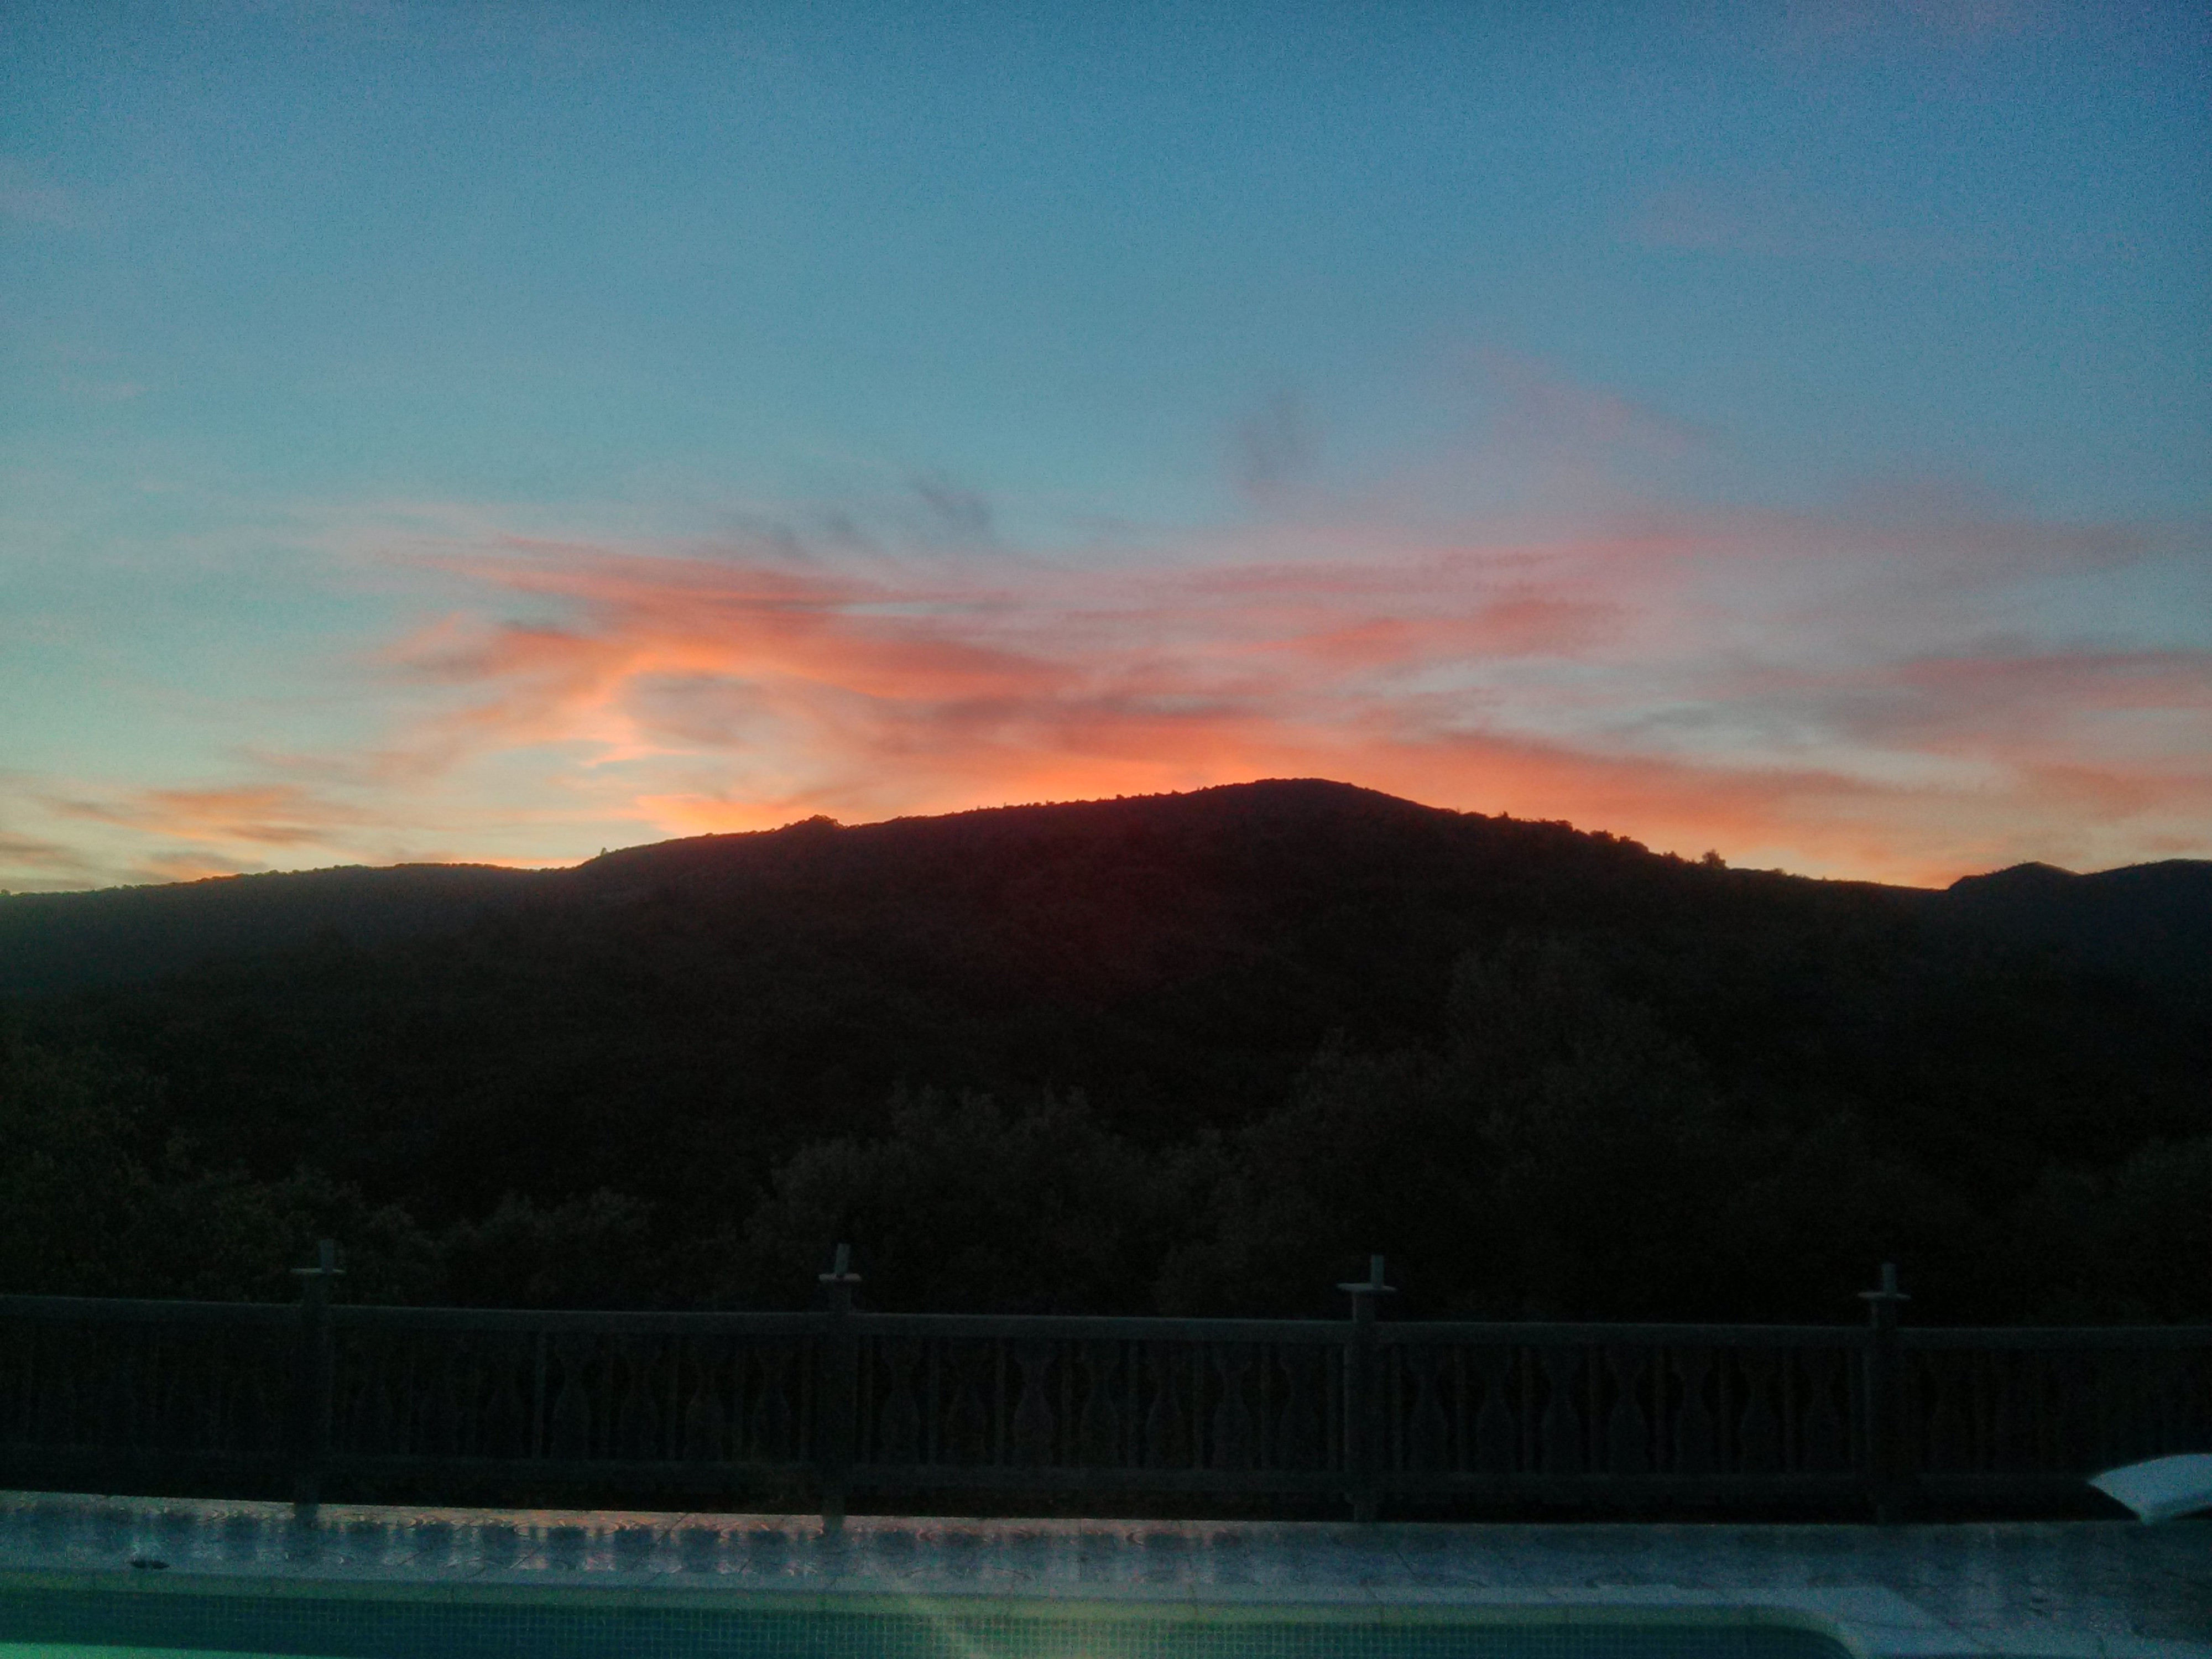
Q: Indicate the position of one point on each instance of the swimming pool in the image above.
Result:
(237, 1577)
(92, 1621)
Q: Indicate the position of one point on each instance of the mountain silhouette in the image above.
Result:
(1130, 866)
(1281, 1010)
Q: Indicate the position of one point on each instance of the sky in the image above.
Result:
(497, 433)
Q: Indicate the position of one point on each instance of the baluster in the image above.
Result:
(1694, 1447)
(402, 1369)
(2114, 1442)
(1232, 1446)
(1497, 1427)
(1167, 1436)
(56, 1418)
(150, 1392)
(1098, 1432)
(260, 1383)
(345, 1386)
(2193, 1389)
(774, 1422)
(671, 1406)
(1628, 1436)
(172, 1363)
(213, 1426)
(1001, 1401)
(166, 1399)
(462, 1376)
(2009, 1445)
(118, 1420)
(898, 1424)
(1201, 1378)
(1065, 1369)
(228, 1376)
(505, 1431)
(996, 1452)
(217, 1372)
(932, 1410)
(428, 1399)
(17, 1368)
(1942, 1418)
(637, 1418)
(2077, 1410)
(1428, 1431)
(369, 1426)
(1562, 1421)
(1034, 1423)
(1460, 1400)
(15, 1381)
(2146, 1401)
(704, 1418)
(2040, 1389)
(1759, 1433)
(1823, 1441)
(2167, 1410)
(968, 1421)
(1986, 1383)
(114, 1420)
(569, 1434)
(1300, 1442)
(218, 1375)
(1792, 1447)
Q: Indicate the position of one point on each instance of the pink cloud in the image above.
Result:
(1827, 693)
(1599, 678)
(270, 815)
(1544, 404)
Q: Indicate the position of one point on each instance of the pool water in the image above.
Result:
(77, 1623)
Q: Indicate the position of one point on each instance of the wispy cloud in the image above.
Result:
(1544, 405)
(1692, 679)
(1917, 683)
(1784, 220)
(269, 815)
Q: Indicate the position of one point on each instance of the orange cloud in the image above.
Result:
(1819, 692)
(1603, 679)
(260, 815)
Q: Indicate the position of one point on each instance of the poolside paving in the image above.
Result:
(2061, 1590)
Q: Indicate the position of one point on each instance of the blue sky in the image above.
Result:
(499, 432)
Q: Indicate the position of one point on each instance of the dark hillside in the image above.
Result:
(2149, 921)
(1240, 1022)
(59, 941)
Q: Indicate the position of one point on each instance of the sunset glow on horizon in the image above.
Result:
(483, 436)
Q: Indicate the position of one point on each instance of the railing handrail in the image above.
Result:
(1158, 1327)
(2054, 1336)
(1541, 1332)
(150, 1310)
(612, 1321)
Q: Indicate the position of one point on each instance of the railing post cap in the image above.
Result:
(1374, 1287)
(840, 1272)
(326, 1262)
(1888, 1292)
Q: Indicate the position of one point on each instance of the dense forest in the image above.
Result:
(1198, 1053)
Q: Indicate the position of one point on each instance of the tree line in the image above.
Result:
(1199, 1054)
(1555, 1152)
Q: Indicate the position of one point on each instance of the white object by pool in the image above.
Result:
(191, 1578)
(2163, 1488)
